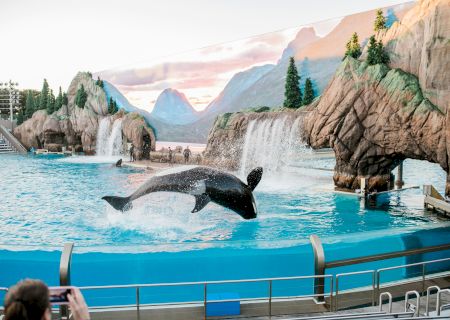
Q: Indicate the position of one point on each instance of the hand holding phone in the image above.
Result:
(59, 295)
(78, 305)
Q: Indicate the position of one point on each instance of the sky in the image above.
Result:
(54, 39)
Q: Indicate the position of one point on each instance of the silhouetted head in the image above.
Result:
(28, 300)
(244, 203)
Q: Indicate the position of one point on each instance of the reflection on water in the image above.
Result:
(49, 200)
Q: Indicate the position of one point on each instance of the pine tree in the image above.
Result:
(372, 51)
(50, 102)
(99, 82)
(65, 100)
(43, 97)
(20, 117)
(308, 96)
(380, 22)
(81, 97)
(353, 47)
(383, 56)
(29, 105)
(292, 93)
(59, 100)
(376, 53)
(112, 106)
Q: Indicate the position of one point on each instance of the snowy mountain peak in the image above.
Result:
(172, 106)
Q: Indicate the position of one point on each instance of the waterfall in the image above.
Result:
(271, 144)
(109, 140)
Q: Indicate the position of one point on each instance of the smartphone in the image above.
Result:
(58, 295)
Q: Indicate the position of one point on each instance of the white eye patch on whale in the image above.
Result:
(206, 185)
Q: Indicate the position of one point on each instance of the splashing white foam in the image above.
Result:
(271, 144)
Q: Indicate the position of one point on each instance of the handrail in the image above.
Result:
(427, 305)
(438, 301)
(205, 284)
(191, 283)
(407, 304)
(320, 263)
(385, 256)
(64, 273)
(340, 275)
(13, 140)
(389, 295)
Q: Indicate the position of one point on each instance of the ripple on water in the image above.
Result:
(51, 200)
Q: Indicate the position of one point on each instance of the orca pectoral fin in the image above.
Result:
(200, 202)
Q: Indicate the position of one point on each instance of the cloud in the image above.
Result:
(195, 73)
(273, 39)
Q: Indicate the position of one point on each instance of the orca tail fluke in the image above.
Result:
(119, 203)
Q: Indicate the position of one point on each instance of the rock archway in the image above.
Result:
(374, 118)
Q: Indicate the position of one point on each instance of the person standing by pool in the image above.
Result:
(30, 300)
(132, 153)
(187, 154)
(170, 156)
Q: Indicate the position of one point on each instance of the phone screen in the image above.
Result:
(58, 295)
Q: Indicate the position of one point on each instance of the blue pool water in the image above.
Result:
(47, 201)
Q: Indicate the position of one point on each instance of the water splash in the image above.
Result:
(272, 144)
(109, 140)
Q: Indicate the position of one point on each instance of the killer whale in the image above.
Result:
(205, 184)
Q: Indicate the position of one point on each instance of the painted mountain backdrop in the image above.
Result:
(180, 97)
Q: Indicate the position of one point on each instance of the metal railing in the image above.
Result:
(320, 264)
(270, 298)
(389, 295)
(417, 264)
(12, 140)
(348, 274)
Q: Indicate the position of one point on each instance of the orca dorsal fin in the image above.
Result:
(254, 177)
(200, 202)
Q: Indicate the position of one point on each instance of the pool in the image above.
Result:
(50, 200)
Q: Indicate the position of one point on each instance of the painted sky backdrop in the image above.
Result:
(57, 38)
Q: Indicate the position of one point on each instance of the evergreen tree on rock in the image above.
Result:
(20, 117)
(59, 100)
(376, 53)
(81, 97)
(50, 102)
(65, 100)
(292, 93)
(29, 105)
(99, 82)
(43, 97)
(112, 106)
(380, 22)
(353, 49)
(308, 95)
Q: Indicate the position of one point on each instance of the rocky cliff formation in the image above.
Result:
(375, 117)
(420, 44)
(74, 127)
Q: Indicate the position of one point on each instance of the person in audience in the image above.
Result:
(187, 153)
(30, 300)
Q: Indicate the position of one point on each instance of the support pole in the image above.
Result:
(400, 183)
(319, 268)
(64, 274)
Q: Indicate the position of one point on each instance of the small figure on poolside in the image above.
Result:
(132, 153)
(119, 163)
(187, 153)
(205, 184)
(199, 158)
(170, 156)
